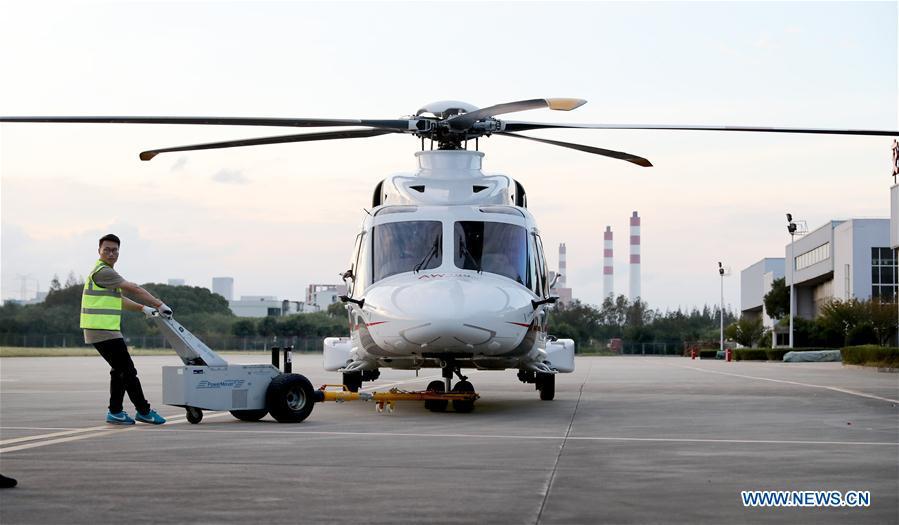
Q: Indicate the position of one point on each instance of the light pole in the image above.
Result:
(791, 228)
(721, 273)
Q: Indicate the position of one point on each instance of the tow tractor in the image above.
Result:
(249, 392)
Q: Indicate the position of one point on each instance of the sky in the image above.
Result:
(277, 218)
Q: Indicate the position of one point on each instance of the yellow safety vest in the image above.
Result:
(101, 308)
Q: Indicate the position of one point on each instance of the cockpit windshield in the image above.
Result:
(408, 246)
(493, 247)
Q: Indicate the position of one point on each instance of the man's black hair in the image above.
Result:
(109, 237)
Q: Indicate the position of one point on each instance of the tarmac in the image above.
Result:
(626, 440)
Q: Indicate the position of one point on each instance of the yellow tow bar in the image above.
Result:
(384, 401)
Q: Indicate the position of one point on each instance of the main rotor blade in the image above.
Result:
(398, 124)
(525, 126)
(465, 120)
(639, 161)
(305, 137)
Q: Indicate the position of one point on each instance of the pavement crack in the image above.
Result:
(552, 476)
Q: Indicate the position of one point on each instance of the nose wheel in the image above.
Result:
(436, 405)
(463, 386)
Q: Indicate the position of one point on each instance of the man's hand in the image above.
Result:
(149, 311)
(164, 310)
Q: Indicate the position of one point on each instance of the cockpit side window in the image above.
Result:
(533, 266)
(493, 247)
(407, 246)
(543, 287)
(351, 277)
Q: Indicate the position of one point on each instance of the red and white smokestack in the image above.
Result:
(634, 273)
(563, 271)
(608, 268)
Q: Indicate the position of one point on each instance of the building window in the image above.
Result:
(814, 256)
(883, 274)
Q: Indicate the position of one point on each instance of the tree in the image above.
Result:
(883, 320)
(54, 285)
(859, 322)
(190, 300)
(243, 328)
(71, 280)
(267, 326)
(745, 331)
(337, 309)
(777, 301)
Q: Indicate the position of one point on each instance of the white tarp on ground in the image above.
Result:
(812, 356)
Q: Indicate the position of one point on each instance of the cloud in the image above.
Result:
(180, 163)
(229, 176)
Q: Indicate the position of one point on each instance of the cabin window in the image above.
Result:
(493, 247)
(408, 246)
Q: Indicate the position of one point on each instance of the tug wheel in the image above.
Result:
(289, 398)
(249, 415)
(459, 405)
(436, 405)
(194, 415)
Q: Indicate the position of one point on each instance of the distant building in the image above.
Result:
(257, 306)
(38, 298)
(320, 296)
(851, 259)
(755, 283)
(223, 286)
(176, 282)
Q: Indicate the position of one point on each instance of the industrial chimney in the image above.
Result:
(608, 268)
(634, 273)
(563, 271)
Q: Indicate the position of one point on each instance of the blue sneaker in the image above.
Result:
(119, 418)
(150, 417)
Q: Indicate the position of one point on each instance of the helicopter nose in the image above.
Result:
(452, 315)
(449, 300)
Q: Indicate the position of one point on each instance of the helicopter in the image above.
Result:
(448, 269)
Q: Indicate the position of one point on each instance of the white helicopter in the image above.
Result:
(448, 271)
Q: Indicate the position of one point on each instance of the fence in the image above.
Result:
(663, 348)
(260, 343)
(216, 342)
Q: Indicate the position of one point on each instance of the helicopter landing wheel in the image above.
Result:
(436, 405)
(463, 407)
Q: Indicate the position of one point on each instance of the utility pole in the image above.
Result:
(791, 228)
(721, 273)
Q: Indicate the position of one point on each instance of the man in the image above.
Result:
(101, 319)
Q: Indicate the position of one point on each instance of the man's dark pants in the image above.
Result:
(122, 377)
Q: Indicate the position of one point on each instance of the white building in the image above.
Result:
(223, 286)
(320, 296)
(176, 282)
(256, 306)
(850, 259)
(894, 207)
(755, 282)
